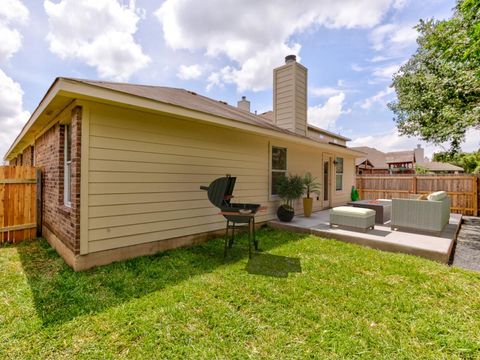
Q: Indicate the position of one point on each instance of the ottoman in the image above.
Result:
(352, 218)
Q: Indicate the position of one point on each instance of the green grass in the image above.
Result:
(304, 297)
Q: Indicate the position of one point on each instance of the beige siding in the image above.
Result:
(300, 100)
(290, 97)
(145, 172)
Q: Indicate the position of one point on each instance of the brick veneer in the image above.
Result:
(28, 155)
(61, 220)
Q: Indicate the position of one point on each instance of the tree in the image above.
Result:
(438, 89)
(420, 170)
(470, 162)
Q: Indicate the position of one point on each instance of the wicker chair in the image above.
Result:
(421, 215)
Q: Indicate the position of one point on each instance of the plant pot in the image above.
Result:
(285, 213)
(307, 207)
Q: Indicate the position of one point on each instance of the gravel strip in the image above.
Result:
(467, 252)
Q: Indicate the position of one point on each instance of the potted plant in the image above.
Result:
(310, 185)
(289, 189)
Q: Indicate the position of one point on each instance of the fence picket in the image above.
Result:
(17, 203)
(463, 189)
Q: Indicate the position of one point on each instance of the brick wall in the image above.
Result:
(27, 156)
(62, 220)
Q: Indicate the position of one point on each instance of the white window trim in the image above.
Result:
(342, 173)
(274, 197)
(67, 165)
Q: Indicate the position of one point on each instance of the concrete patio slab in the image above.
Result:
(438, 248)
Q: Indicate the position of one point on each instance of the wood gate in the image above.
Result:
(18, 203)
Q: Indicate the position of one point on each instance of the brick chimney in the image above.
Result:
(244, 104)
(290, 96)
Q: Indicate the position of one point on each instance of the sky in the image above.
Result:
(222, 49)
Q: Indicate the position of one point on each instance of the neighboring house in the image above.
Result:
(372, 161)
(398, 162)
(434, 167)
(122, 164)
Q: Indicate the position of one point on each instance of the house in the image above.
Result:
(373, 161)
(400, 162)
(434, 167)
(122, 163)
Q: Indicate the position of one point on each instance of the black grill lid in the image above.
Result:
(220, 190)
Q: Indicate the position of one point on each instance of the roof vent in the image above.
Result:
(290, 58)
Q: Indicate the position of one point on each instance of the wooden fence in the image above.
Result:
(18, 203)
(463, 189)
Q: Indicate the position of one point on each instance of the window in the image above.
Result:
(67, 165)
(279, 167)
(338, 173)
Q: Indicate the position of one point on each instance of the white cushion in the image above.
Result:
(437, 196)
(353, 212)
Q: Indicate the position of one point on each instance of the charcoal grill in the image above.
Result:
(220, 194)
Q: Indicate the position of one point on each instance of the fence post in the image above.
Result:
(477, 196)
(414, 184)
(39, 202)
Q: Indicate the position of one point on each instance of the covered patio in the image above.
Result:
(433, 247)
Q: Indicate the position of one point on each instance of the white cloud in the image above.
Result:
(386, 72)
(325, 116)
(188, 72)
(98, 32)
(12, 115)
(357, 68)
(472, 140)
(393, 38)
(213, 80)
(323, 91)
(250, 34)
(12, 12)
(256, 71)
(380, 98)
(379, 58)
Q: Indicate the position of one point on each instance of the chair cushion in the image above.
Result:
(437, 196)
(353, 212)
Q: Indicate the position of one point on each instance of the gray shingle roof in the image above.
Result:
(376, 157)
(439, 166)
(400, 157)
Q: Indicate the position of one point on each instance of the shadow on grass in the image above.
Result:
(273, 265)
(60, 294)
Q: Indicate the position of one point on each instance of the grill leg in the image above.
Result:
(233, 235)
(250, 238)
(226, 241)
(255, 242)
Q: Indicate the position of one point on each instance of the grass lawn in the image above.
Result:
(346, 301)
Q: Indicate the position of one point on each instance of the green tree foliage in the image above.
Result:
(420, 170)
(438, 89)
(470, 162)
